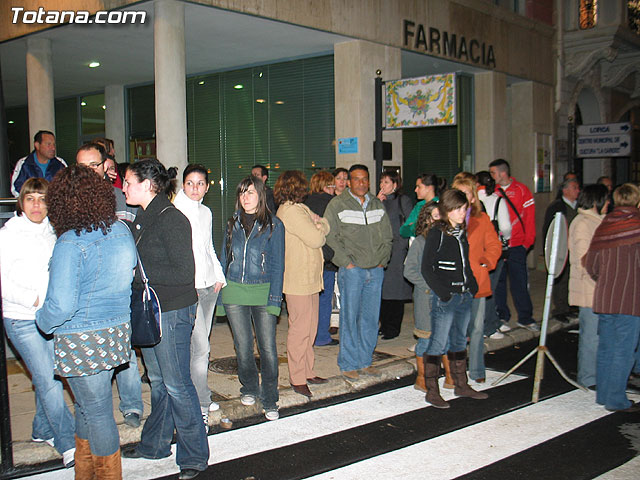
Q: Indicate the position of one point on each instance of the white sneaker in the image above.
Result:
(205, 419)
(213, 406)
(68, 458)
(504, 328)
(248, 400)
(497, 335)
(48, 441)
(271, 414)
(412, 348)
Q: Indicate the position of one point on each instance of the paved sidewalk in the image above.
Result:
(393, 358)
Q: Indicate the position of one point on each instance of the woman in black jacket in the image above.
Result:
(446, 269)
(396, 290)
(163, 238)
(322, 188)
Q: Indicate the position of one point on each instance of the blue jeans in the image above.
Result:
(360, 290)
(242, 318)
(94, 412)
(618, 340)
(200, 345)
(476, 339)
(130, 386)
(324, 310)
(449, 323)
(516, 269)
(52, 418)
(587, 347)
(174, 401)
(491, 320)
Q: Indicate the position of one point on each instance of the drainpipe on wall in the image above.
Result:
(559, 54)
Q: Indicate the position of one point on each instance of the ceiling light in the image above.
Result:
(201, 82)
(83, 103)
(94, 64)
(11, 122)
(260, 75)
(104, 107)
(279, 102)
(238, 86)
(260, 100)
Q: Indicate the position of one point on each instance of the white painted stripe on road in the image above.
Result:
(471, 448)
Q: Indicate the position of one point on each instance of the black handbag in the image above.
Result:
(146, 314)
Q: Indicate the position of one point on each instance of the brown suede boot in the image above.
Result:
(432, 372)
(109, 467)
(83, 468)
(420, 383)
(458, 361)
(448, 379)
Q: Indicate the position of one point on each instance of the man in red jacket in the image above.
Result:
(522, 211)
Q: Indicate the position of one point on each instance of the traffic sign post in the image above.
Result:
(556, 253)
(603, 140)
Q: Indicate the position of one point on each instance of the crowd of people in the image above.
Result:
(66, 296)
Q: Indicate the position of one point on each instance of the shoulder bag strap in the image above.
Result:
(513, 207)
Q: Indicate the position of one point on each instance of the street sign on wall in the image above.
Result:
(603, 140)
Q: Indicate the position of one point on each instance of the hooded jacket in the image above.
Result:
(25, 251)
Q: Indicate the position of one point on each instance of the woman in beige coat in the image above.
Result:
(305, 234)
(592, 206)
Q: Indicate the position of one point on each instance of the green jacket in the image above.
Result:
(358, 237)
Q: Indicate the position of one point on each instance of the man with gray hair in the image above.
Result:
(567, 205)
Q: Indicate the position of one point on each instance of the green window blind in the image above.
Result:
(279, 115)
(67, 125)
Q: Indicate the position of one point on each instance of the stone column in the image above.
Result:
(490, 92)
(114, 120)
(170, 83)
(531, 112)
(40, 86)
(355, 65)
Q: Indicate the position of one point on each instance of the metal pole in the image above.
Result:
(377, 146)
(6, 447)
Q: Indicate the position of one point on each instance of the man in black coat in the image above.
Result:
(567, 205)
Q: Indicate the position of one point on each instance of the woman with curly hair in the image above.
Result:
(321, 191)
(163, 237)
(26, 244)
(87, 309)
(304, 236)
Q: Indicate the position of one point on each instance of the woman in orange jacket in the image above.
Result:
(485, 250)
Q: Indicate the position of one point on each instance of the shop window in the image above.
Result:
(588, 14)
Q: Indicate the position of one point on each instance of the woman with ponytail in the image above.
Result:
(163, 238)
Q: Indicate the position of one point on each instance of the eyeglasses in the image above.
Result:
(331, 186)
(94, 165)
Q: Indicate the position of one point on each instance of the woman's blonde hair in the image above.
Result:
(469, 182)
(320, 180)
(626, 195)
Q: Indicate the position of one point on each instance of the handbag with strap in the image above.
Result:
(146, 314)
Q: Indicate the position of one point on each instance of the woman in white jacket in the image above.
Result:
(26, 245)
(209, 277)
(498, 211)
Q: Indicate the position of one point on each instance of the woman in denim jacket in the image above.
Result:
(163, 237)
(87, 309)
(253, 259)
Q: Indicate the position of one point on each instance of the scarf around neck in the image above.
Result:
(620, 227)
